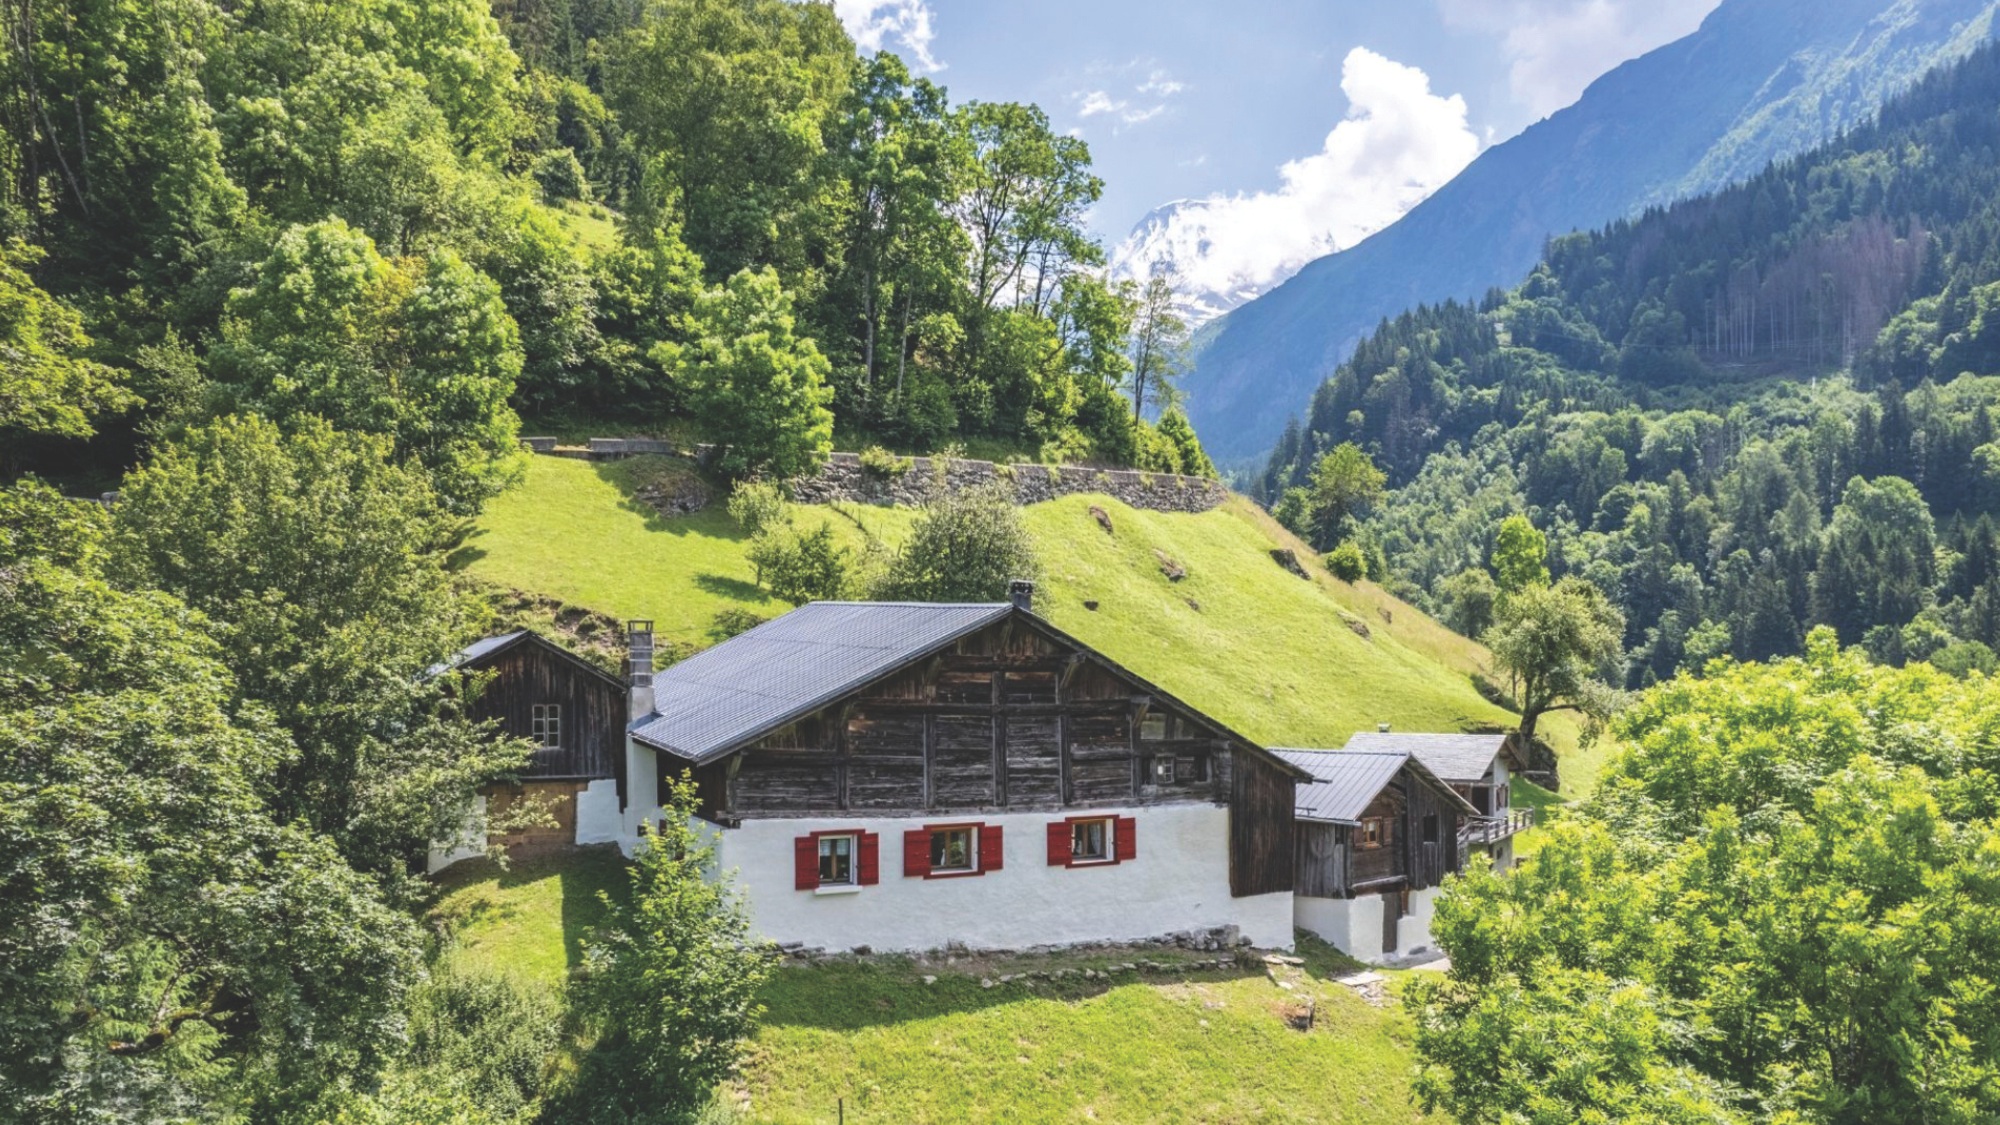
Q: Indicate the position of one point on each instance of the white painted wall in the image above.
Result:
(470, 843)
(1354, 925)
(598, 818)
(642, 792)
(1178, 881)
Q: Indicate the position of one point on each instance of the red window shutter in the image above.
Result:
(805, 863)
(1059, 843)
(917, 853)
(989, 847)
(868, 864)
(1128, 838)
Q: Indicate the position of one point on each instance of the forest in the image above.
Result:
(1739, 417)
(711, 220)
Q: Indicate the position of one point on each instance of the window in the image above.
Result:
(836, 861)
(1163, 770)
(1501, 797)
(1191, 767)
(1153, 728)
(953, 849)
(938, 851)
(1090, 840)
(1374, 833)
(1430, 828)
(545, 727)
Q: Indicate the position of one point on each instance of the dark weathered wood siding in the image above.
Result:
(1333, 864)
(1013, 719)
(1260, 827)
(532, 672)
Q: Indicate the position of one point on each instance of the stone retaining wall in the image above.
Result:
(842, 477)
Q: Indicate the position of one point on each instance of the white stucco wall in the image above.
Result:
(598, 818)
(1179, 880)
(642, 793)
(469, 844)
(1354, 925)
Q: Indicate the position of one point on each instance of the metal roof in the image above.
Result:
(791, 666)
(1345, 781)
(1453, 757)
(476, 650)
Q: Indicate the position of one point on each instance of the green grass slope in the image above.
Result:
(1189, 1045)
(1290, 661)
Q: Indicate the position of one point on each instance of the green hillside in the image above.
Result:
(1188, 1045)
(1285, 660)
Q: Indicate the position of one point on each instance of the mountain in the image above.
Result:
(1760, 79)
(1175, 234)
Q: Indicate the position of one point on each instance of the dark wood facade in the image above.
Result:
(591, 703)
(1417, 828)
(1011, 718)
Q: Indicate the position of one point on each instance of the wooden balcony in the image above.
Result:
(1485, 830)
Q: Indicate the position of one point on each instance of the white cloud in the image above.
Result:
(1398, 143)
(875, 24)
(1134, 116)
(1090, 103)
(1555, 48)
(1161, 85)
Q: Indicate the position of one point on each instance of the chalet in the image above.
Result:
(1376, 834)
(905, 776)
(1479, 767)
(575, 713)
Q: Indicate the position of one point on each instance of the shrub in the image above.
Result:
(964, 547)
(759, 506)
(1347, 563)
(484, 1036)
(560, 175)
(800, 566)
(881, 464)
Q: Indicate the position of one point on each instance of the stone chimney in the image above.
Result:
(1381, 728)
(639, 638)
(1022, 593)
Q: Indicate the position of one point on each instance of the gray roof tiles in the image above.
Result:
(791, 666)
(1346, 780)
(1453, 757)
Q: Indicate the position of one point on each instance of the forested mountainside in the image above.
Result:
(1740, 416)
(295, 206)
(1761, 79)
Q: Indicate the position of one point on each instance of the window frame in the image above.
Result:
(545, 726)
(1374, 834)
(853, 880)
(972, 865)
(1108, 827)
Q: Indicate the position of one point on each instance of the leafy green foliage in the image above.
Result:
(1520, 556)
(1558, 644)
(46, 385)
(169, 937)
(1347, 563)
(1778, 908)
(1345, 483)
(319, 562)
(671, 981)
(424, 353)
(756, 386)
(965, 546)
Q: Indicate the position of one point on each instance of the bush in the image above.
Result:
(800, 566)
(881, 464)
(485, 1037)
(964, 547)
(560, 175)
(1347, 563)
(759, 506)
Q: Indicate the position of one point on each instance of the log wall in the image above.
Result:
(532, 672)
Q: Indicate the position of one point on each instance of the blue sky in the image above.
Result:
(1371, 104)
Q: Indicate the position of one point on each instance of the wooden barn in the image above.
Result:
(1480, 767)
(574, 712)
(904, 776)
(1376, 834)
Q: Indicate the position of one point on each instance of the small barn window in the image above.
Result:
(1374, 833)
(836, 861)
(953, 849)
(1191, 767)
(1090, 840)
(545, 726)
(1163, 770)
(1430, 828)
(1153, 728)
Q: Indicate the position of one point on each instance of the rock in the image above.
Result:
(1354, 623)
(1103, 519)
(1194, 605)
(1284, 557)
(1387, 617)
(1006, 978)
(863, 950)
(1204, 1023)
(928, 979)
(1173, 570)
(1091, 606)
(984, 983)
